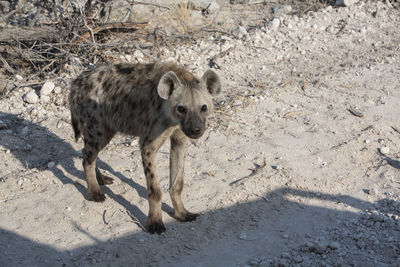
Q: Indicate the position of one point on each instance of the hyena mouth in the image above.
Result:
(193, 133)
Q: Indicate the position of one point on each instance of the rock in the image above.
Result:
(240, 32)
(57, 89)
(3, 125)
(384, 150)
(210, 5)
(47, 88)
(44, 98)
(138, 55)
(19, 77)
(237, 102)
(334, 245)
(298, 259)
(4, 7)
(243, 236)
(321, 246)
(25, 131)
(51, 164)
(346, 2)
(377, 217)
(282, 10)
(275, 24)
(31, 97)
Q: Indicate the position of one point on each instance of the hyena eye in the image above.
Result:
(181, 109)
(204, 108)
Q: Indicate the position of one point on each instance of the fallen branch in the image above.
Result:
(104, 217)
(112, 26)
(135, 220)
(254, 171)
(6, 65)
(211, 61)
(291, 114)
(355, 112)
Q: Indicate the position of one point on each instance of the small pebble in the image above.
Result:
(334, 245)
(51, 164)
(57, 89)
(275, 24)
(384, 150)
(31, 97)
(47, 88)
(243, 236)
(44, 98)
(25, 131)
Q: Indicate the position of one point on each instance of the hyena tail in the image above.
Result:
(75, 125)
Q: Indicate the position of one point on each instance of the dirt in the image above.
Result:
(316, 98)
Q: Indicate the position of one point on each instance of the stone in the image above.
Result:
(44, 98)
(57, 90)
(275, 24)
(243, 236)
(384, 150)
(31, 97)
(25, 131)
(51, 164)
(19, 77)
(334, 245)
(346, 2)
(282, 10)
(47, 88)
(321, 246)
(3, 125)
(210, 5)
(240, 32)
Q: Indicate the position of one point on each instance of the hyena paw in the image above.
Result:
(191, 216)
(186, 217)
(155, 227)
(97, 197)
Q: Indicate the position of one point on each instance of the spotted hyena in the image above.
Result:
(152, 101)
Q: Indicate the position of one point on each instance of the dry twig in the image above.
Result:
(135, 220)
(356, 112)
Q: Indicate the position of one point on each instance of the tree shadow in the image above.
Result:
(393, 162)
(35, 146)
(218, 237)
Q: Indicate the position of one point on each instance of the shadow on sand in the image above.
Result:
(209, 240)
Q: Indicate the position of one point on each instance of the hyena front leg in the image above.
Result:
(149, 149)
(177, 158)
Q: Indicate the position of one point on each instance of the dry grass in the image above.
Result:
(181, 16)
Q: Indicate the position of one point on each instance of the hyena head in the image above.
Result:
(189, 99)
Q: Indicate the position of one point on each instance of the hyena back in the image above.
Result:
(152, 101)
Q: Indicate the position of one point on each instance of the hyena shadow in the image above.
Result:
(35, 146)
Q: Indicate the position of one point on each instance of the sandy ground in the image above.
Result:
(317, 99)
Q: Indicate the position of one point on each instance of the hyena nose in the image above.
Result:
(195, 131)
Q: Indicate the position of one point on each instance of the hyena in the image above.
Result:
(151, 101)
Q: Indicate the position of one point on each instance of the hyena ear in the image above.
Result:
(167, 84)
(212, 82)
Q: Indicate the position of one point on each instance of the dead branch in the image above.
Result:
(112, 26)
(211, 61)
(356, 112)
(135, 220)
(6, 65)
